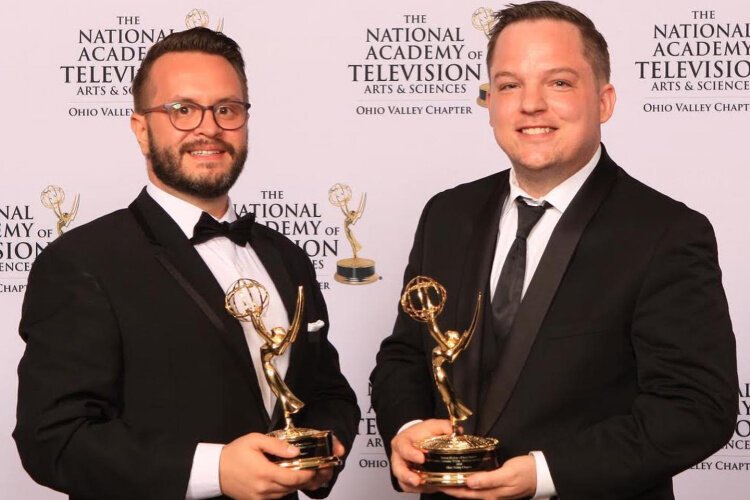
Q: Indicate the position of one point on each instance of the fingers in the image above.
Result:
(407, 478)
(515, 479)
(405, 451)
(273, 446)
(324, 475)
(338, 448)
(246, 472)
(460, 492)
(486, 480)
(404, 447)
(518, 474)
(405, 442)
(321, 478)
(485, 494)
(430, 428)
(440, 427)
(291, 479)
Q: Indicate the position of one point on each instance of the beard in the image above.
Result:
(167, 166)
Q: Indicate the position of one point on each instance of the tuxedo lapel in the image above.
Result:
(177, 255)
(475, 276)
(542, 289)
(277, 270)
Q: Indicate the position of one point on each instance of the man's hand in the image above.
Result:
(323, 476)
(246, 473)
(404, 451)
(515, 479)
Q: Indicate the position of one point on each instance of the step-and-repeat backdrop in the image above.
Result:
(380, 96)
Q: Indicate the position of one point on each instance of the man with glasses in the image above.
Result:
(135, 382)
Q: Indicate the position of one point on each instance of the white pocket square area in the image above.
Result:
(314, 327)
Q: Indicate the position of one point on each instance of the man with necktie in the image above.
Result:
(135, 381)
(605, 360)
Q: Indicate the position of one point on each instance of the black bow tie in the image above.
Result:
(239, 231)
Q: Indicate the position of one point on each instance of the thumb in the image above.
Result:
(436, 427)
(338, 448)
(276, 447)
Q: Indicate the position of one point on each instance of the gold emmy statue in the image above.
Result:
(354, 271)
(450, 458)
(247, 300)
(53, 198)
(483, 19)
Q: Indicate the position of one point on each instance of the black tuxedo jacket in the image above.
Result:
(131, 359)
(621, 363)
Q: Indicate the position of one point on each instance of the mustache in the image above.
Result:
(204, 144)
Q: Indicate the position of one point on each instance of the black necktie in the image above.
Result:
(238, 231)
(507, 296)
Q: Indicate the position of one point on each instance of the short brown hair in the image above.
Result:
(594, 45)
(197, 39)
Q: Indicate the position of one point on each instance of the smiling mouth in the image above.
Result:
(205, 152)
(207, 149)
(536, 130)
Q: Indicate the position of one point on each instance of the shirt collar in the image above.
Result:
(562, 194)
(185, 214)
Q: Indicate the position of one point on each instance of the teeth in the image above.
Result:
(204, 152)
(536, 130)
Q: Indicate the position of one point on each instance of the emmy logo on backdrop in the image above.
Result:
(483, 19)
(247, 300)
(53, 198)
(354, 271)
(199, 18)
(449, 459)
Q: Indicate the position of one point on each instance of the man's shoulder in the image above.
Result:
(634, 208)
(470, 196)
(482, 187)
(640, 197)
(100, 236)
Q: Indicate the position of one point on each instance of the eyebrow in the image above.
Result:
(180, 98)
(549, 72)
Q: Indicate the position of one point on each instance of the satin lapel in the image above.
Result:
(287, 288)
(272, 261)
(177, 255)
(542, 289)
(474, 278)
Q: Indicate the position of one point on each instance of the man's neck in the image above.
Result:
(216, 207)
(539, 182)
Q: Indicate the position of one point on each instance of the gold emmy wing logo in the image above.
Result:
(483, 19)
(199, 18)
(53, 198)
(354, 271)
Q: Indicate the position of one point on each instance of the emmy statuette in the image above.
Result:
(247, 300)
(356, 270)
(449, 459)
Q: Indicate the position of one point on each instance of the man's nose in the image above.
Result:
(208, 125)
(533, 99)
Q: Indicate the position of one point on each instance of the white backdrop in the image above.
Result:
(315, 121)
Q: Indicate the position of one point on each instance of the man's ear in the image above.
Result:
(139, 126)
(607, 99)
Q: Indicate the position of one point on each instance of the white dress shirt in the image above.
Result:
(559, 197)
(228, 262)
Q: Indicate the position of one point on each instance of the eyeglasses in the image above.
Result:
(187, 116)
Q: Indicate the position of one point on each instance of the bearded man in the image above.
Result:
(135, 381)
